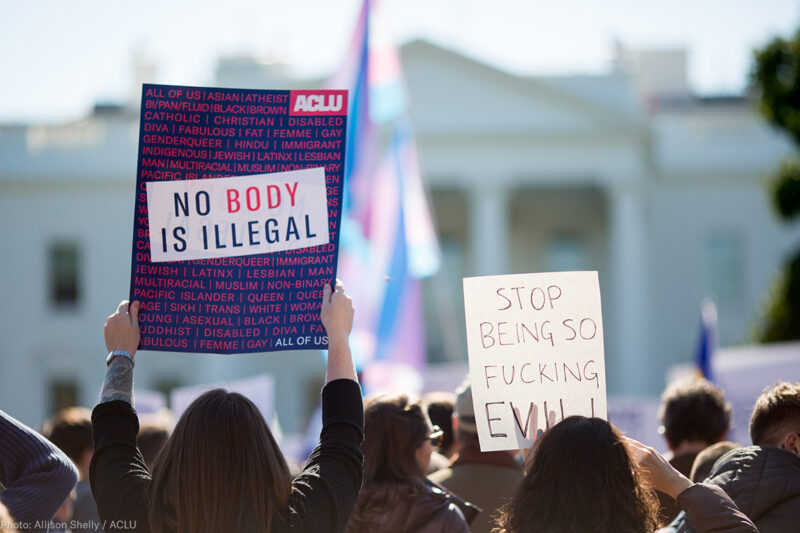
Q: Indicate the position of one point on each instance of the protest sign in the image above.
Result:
(237, 213)
(258, 389)
(535, 345)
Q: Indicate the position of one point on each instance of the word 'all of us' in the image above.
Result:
(536, 353)
(245, 215)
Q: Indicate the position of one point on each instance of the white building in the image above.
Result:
(629, 174)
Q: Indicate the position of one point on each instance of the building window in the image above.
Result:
(64, 273)
(565, 253)
(63, 394)
(725, 268)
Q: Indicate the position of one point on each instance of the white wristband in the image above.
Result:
(123, 353)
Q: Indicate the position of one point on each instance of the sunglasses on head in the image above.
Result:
(436, 436)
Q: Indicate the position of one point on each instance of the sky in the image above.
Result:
(58, 58)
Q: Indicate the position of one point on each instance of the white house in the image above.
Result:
(628, 173)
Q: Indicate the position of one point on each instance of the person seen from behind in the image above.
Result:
(486, 479)
(705, 460)
(221, 469)
(764, 479)
(396, 496)
(694, 415)
(71, 430)
(584, 477)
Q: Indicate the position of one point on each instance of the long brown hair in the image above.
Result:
(394, 427)
(581, 479)
(221, 470)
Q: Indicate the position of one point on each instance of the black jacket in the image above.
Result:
(764, 482)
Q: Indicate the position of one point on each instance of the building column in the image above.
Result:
(628, 355)
(489, 229)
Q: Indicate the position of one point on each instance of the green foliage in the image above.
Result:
(783, 311)
(777, 76)
(786, 189)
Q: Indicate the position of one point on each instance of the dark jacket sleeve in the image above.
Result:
(324, 494)
(710, 510)
(118, 474)
(36, 476)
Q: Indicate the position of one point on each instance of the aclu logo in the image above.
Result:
(318, 103)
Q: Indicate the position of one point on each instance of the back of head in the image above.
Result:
(394, 427)
(221, 470)
(694, 410)
(71, 430)
(581, 479)
(776, 413)
(705, 460)
(440, 407)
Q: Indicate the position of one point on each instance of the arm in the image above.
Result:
(337, 317)
(324, 495)
(117, 473)
(122, 333)
(36, 475)
(709, 508)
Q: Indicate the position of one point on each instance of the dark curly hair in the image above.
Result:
(580, 479)
(777, 411)
(694, 410)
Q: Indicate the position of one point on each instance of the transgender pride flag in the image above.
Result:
(388, 243)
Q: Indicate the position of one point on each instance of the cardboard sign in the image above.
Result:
(236, 223)
(535, 345)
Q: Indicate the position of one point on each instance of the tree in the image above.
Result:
(776, 75)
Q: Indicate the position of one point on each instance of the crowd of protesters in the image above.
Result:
(393, 463)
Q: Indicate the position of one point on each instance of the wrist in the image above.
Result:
(120, 354)
(337, 342)
(677, 486)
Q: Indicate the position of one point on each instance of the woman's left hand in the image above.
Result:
(661, 475)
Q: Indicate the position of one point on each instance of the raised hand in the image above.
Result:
(657, 470)
(337, 317)
(121, 329)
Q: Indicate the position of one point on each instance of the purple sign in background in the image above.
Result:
(253, 303)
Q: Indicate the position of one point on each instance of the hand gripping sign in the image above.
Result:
(535, 346)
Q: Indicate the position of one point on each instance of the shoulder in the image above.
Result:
(440, 507)
(753, 460)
